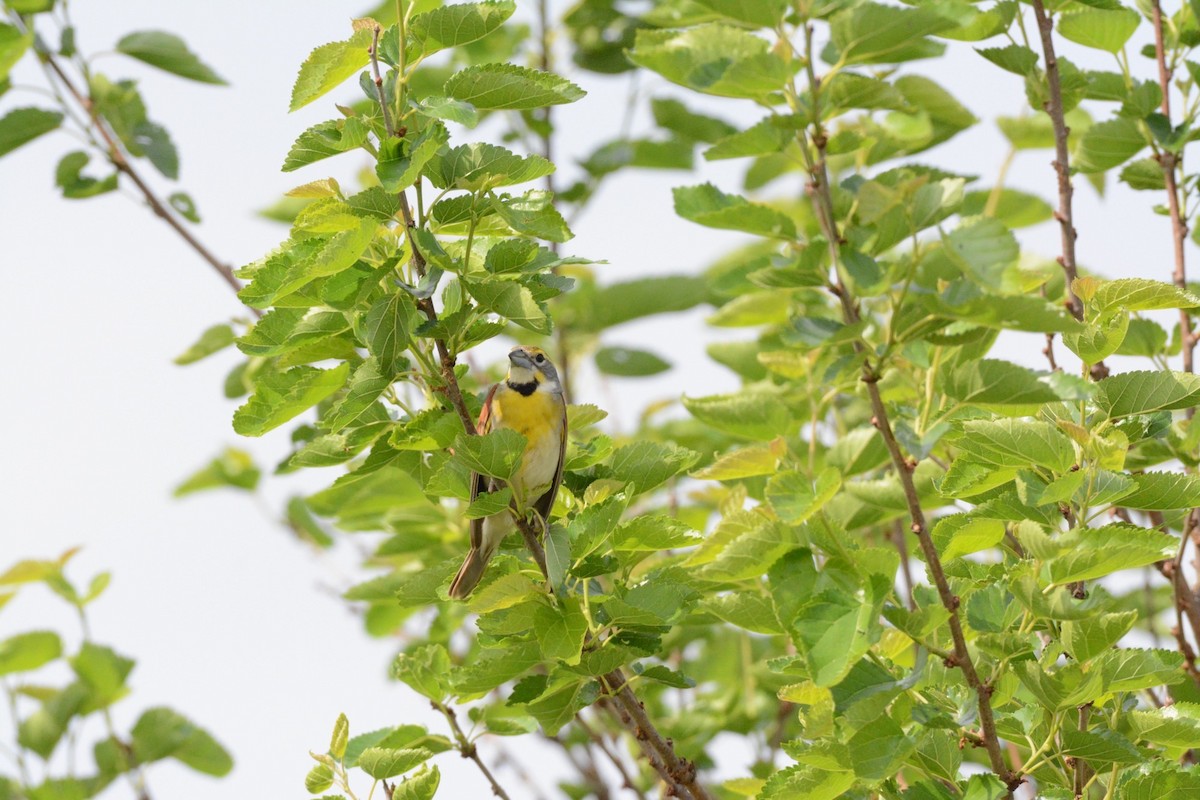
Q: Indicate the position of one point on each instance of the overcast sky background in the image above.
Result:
(225, 613)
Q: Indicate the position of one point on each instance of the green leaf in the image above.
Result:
(1100, 747)
(674, 116)
(1087, 638)
(878, 749)
(389, 325)
(983, 247)
(959, 535)
(340, 737)
(323, 140)
(28, 651)
(751, 552)
(1143, 392)
(746, 462)
(23, 125)
(714, 59)
(456, 25)
(1176, 725)
(1100, 338)
(233, 468)
(833, 630)
(507, 86)
(1163, 491)
(1016, 443)
(1095, 552)
(213, 340)
(617, 303)
(533, 214)
(1139, 294)
(425, 669)
(319, 779)
(298, 263)
(1132, 670)
(421, 786)
(13, 45)
(628, 362)
(795, 498)
(709, 206)
(328, 65)
(161, 733)
(281, 396)
(1108, 144)
(756, 415)
(69, 177)
(769, 136)
(496, 454)
(169, 53)
(1014, 58)
(759, 13)
(366, 386)
(479, 166)
(872, 33)
(1103, 29)
(560, 630)
(647, 464)
(401, 161)
(381, 763)
(559, 704)
(513, 301)
(1016, 209)
(992, 382)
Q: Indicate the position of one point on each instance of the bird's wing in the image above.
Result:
(479, 482)
(546, 502)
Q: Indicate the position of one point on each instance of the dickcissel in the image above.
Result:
(529, 401)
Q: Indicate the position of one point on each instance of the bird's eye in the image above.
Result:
(540, 358)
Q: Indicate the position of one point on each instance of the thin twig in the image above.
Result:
(1169, 162)
(1062, 159)
(586, 769)
(467, 748)
(116, 155)
(602, 745)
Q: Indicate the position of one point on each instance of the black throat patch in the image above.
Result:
(523, 389)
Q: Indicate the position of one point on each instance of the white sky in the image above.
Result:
(223, 611)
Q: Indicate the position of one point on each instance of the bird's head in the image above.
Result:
(531, 365)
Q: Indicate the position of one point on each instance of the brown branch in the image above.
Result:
(467, 748)
(602, 745)
(586, 767)
(1062, 158)
(1079, 767)
(823, 202)
(449, 387)
(1170, 162)
(116, 156)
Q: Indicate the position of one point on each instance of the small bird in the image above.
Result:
(529, 401)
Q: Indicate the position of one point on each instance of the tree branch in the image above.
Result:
(1062, 158)
(602, 745)
(116, 155)
(1169, 162)
(468, 750)
(822, 198)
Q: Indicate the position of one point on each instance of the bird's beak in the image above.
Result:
(520, 358)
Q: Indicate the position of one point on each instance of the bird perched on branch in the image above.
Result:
(529, 401)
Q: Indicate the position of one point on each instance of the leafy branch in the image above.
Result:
(116, 155)
(468, 749)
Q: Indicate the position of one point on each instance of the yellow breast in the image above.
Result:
(539, 418)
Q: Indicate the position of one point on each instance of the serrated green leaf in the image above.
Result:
(367, 384)
(513, 301)
(993, 382)
(381, 763)
(1143, 392)
(328, 66)
(1163, 491)
(1108, 144)
(233, 468)
(714, 59)
(213, 340)
(323, 140)
(456, 25)
(507, 86)
(496, 454)
(709, 206)
(1095, 552)
(872, 33)
(281, 396)
(1103, 29)
(388, 327)
(647, 464)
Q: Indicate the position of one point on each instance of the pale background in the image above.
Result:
(224, 612)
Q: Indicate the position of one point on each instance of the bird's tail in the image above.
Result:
(469, 574)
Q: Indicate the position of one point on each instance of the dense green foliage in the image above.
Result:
(755, 568)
